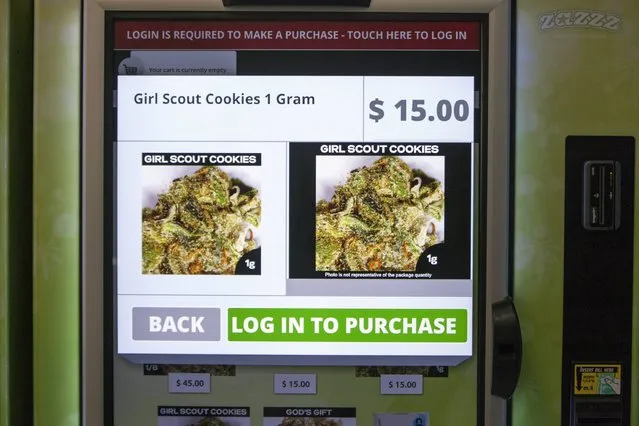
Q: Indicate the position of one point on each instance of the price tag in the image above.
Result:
(189, 383)
(419, 109)
(401, 384)
(300, 384)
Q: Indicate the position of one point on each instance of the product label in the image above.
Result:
(189, 383)
(203, 416)
(300, 384)
(401, 384)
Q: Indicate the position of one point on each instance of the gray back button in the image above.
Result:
(176, 324)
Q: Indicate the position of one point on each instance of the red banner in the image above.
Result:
(298, 35)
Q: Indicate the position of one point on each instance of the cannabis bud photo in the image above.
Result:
(202, 225)
(381, 219)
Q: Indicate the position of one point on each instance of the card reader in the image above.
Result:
(601, 201)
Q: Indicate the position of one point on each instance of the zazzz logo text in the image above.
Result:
(579, 19)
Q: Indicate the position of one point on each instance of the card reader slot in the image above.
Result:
(595, 411)
(601, 195)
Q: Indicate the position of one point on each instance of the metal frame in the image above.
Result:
(497, 180)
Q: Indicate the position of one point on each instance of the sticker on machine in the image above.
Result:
(309, 416)
(401, 419)
(597, 379)
(204, 416)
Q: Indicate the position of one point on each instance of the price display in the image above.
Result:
(400, 109)
(189, 383)
(299, 384)
(416, 110)
(401, 384)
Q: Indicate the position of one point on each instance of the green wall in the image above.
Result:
(56, 199)
(16, 56)
(40, 115)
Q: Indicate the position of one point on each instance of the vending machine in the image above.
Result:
(335, 213)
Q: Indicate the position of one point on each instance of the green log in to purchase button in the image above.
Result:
(348, 325)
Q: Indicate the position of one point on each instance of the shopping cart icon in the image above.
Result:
(129, 70)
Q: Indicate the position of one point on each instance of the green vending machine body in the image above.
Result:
(575, 232)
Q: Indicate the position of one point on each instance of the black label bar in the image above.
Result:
(173, 411)
(401, 149)
(309, 412)
(201, 159)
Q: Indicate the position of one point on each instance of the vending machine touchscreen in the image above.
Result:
(295, 191)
